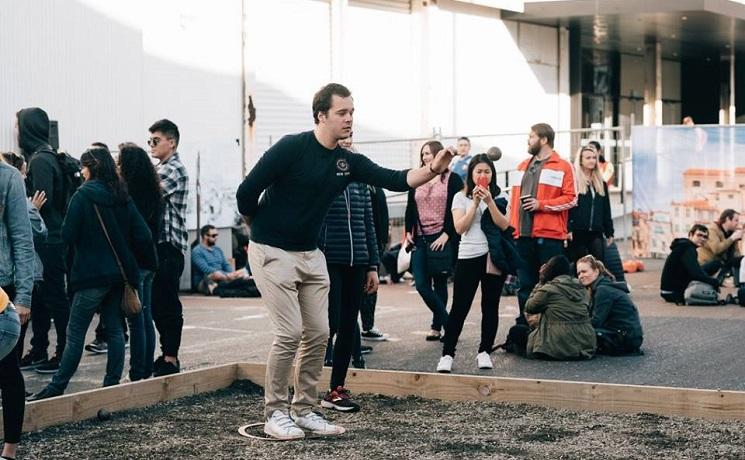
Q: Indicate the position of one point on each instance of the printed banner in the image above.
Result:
(683, 175)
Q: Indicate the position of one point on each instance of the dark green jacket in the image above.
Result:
(565, 331)
(613, 309)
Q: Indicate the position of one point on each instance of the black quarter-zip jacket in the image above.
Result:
(299, 179)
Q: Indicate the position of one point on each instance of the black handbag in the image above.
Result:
(438, 262)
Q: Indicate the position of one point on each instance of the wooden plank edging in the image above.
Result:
(86, 404)
(582, 396)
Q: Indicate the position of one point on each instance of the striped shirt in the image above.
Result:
(174, 183)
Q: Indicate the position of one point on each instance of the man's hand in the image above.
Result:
(39, 198)
(736, 235)
(24, 313)
(442, 160)
(371, 284)
(530, 204)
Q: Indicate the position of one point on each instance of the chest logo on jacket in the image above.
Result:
(342, 167)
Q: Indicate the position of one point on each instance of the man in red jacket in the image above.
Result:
(542, 194)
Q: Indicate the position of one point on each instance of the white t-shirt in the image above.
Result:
(472, 243)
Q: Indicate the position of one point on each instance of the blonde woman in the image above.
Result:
(590, 223)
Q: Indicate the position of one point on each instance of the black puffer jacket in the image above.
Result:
(612, 308)
(348, 233)
(592, 213)
(94, 264)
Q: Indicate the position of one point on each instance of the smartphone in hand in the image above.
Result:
(482, 182)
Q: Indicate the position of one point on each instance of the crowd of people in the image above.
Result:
(318, 236)
(75, 235)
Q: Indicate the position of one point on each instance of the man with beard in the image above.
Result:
(45, 175)
(541, 196)
(210, 270)
(285, 199)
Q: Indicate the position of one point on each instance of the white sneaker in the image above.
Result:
(445, 365)
(317, 425)
(281, 426)
(484, 360)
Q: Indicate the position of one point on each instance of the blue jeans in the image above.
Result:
(142, 332)
(84, 306)
(10, 330)
(436, 299)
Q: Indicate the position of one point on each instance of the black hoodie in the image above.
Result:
(681, 267)
(94, 264)
(44, 171)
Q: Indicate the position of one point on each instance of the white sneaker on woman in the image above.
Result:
(445, 365)
(281, 426)
(317, 424)
(484, 360)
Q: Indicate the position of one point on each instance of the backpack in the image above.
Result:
(700, 294)
(72, 178)
(517, 340)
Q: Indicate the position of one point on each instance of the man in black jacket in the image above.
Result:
(45, 174)
(285, 198)
(681, 266)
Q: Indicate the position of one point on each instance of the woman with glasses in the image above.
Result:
(590, 224)
(429, 231)
(614, 315)
(108, 236)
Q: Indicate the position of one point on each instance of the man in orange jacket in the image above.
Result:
(542, 194)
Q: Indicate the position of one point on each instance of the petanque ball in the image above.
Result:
(104, 415)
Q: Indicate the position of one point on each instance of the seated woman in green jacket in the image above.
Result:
(563, 331)
(614, 315)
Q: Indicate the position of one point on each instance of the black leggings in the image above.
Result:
(345, 297)
(584, 243)
(468, 274)
(13, 389)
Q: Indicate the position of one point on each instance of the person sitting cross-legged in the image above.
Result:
(211, 272)
(682, 268)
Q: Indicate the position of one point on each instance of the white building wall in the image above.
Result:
(107, 69)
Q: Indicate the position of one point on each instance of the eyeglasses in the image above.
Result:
(154, 141)
(213, 235)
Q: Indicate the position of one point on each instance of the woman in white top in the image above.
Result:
(468, 207)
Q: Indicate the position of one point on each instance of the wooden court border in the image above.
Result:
(580, 396)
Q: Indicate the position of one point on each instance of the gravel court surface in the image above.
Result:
(205, 426)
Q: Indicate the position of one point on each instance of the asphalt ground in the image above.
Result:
(696, 347)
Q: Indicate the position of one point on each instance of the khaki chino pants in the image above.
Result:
(295, 287)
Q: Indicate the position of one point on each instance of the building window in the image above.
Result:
(719, 184)
(688, 212)
(697, 183)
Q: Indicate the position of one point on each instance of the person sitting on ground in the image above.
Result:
(563, 330)
(681, 266)
(211, 272)
(721, 252)
(614, 316)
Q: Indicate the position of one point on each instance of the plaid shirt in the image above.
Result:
(175, 184)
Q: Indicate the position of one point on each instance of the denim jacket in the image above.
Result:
(16, 241)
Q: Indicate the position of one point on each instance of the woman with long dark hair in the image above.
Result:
(102, 225)
(143, 184)
(469, 206)
(429, 225)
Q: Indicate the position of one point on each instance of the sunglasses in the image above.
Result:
(154, 141)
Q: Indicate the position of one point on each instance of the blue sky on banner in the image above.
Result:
(662, 154)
